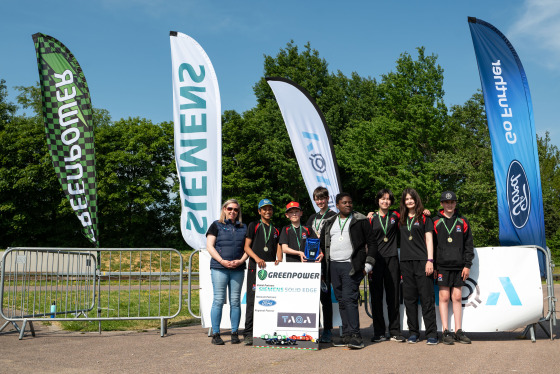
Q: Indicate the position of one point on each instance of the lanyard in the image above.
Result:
(453, 225)
(342, 225)
(321, 220)
(386, 222)
(266, 237)
(297, 235)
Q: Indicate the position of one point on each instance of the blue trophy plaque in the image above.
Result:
(312, 249)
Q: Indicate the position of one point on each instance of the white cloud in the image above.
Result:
(538, 29)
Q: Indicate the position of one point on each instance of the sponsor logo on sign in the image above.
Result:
(262, 274)
(473, 296)
(296, 319)
(267, 302)
(518, 194)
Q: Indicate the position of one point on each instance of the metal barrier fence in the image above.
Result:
(104, 284)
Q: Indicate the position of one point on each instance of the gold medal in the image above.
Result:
(449, 239)
(265, 249)
(410, 237)
(385, 239)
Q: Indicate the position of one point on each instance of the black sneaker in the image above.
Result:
(340, 341)
(460, 337)
(398, 338)
(378, 338)
(447, 338)
(356, 342)
(216, 340)
(248, 340)
(235, 338)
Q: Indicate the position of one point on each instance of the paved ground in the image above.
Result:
(188, 349)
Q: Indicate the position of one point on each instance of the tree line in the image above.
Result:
(395, 131)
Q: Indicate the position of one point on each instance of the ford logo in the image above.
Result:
(518, 194)
(267, 302)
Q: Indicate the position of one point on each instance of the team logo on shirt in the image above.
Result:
(458, 228)
(416, 223)
(304, 235)
(440, 277)
(393, 221)
(254, 287)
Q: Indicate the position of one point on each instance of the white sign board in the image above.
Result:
(503, 292)
(287, 306)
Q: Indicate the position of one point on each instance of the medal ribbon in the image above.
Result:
(453, 225)
(318, 225)
(266, 237)
(297, 235)
(342, 225)
(386, 222)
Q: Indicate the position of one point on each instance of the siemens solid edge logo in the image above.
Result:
(473, 298)
(296, 319)
(518, 194)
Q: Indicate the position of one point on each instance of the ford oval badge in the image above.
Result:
(518, 194)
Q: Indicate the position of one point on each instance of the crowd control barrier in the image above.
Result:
(101, 284)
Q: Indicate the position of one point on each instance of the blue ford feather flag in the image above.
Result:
(509, 112)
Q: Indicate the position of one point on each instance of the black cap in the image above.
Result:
(448, 195)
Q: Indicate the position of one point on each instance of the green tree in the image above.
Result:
(549, 161)
(396, 148)
(136, 178)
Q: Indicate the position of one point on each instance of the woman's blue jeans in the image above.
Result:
(232, 280)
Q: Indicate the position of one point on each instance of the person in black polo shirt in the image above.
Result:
(261, 245)
(386, 274)
(454, 256)
(316, 222)
(293, 236)
(417, 266)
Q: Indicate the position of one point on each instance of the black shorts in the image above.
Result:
(450, 278)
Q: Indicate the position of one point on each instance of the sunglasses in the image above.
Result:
(229, 209)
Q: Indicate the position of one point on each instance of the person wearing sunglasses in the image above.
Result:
(225, 241)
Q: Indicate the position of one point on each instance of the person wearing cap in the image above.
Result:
(316, 222)
(454, 255)
(293, 236)
(261, 245)
(350, 248)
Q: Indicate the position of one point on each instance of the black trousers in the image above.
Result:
(326, 301)
(386, 276)
(251, 280)
(416, 285)
(347, 292)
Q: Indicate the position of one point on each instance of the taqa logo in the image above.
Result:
(267, 302)
(518, 194)
(296, 320)
(473, 298)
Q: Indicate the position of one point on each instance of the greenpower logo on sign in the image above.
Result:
(262, 274)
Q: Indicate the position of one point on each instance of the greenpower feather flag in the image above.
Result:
(67, 113)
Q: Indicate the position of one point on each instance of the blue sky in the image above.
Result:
(123, 45)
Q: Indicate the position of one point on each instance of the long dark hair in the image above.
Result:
(418, 209)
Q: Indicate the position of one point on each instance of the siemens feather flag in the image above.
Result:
(67, 114)
(509, 111)
(310, 137)
(198, 137)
